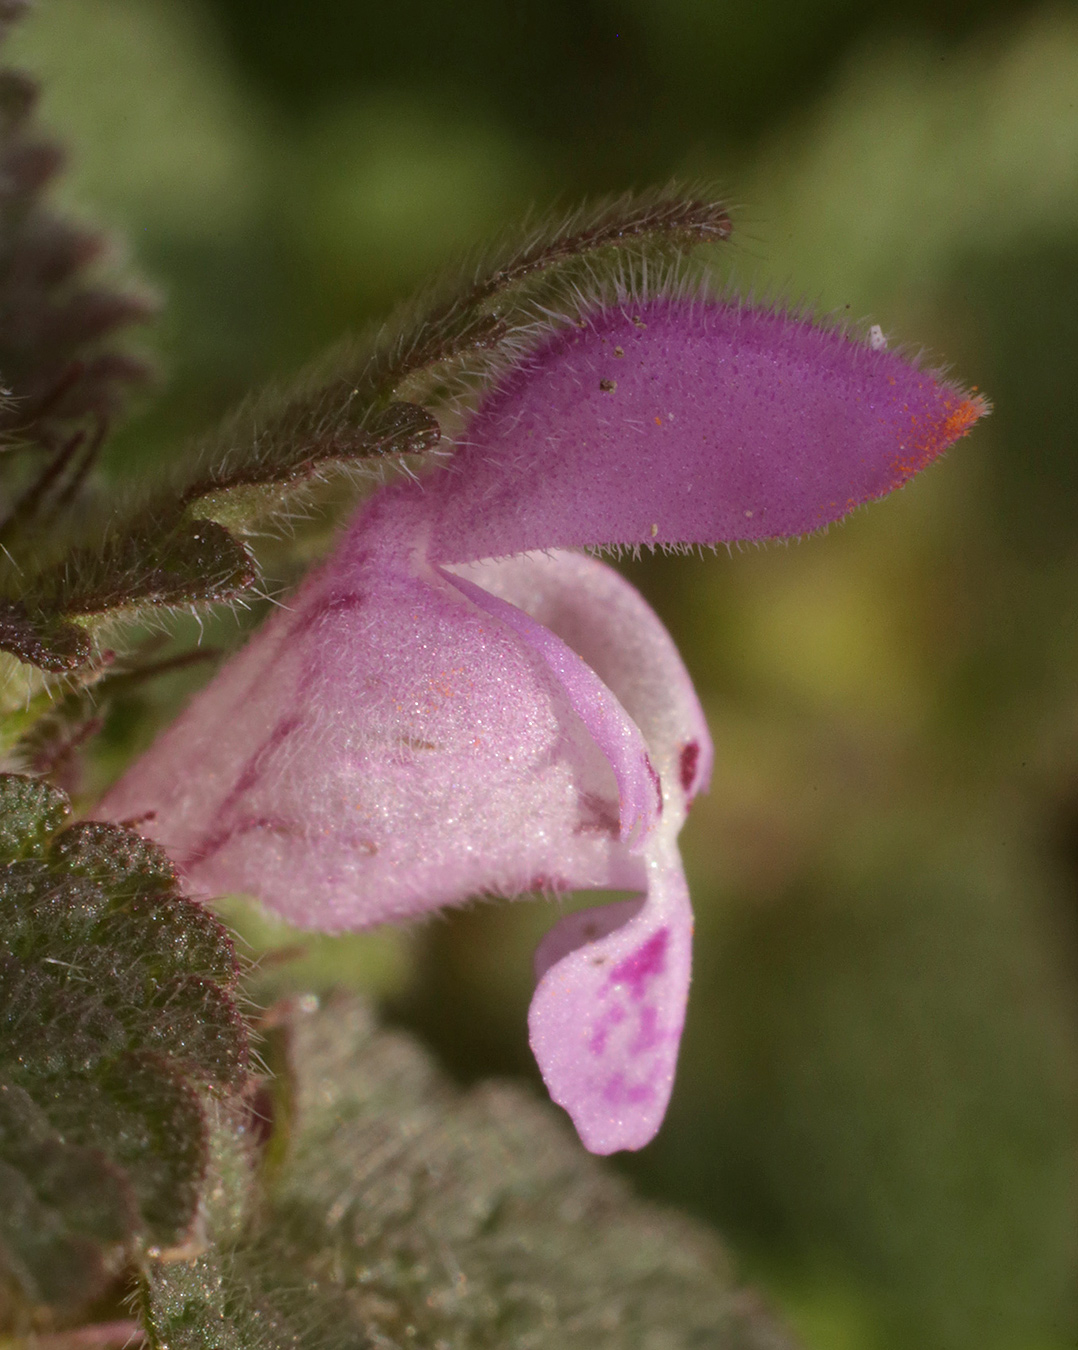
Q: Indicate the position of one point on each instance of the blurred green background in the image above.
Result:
(876, 1102)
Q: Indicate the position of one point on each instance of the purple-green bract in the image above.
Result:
(441, 711)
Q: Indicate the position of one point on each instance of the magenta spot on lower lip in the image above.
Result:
(620, 1093)
(648, 1035)
(611, 1018)
(690, 758)
(643, 964)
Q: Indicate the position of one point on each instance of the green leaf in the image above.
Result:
(287, 441)
(43, 639)
(398, 1211)
(117, 1028)
(30, 814)
(65, 1211)
(188, 563)
(192, 562)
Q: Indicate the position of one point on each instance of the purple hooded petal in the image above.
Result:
(689, 421)
(606, 1018)
(397, 750)
(388, 745)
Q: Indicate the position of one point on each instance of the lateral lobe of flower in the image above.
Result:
(689, 421)
(609, 625)
(616, 735)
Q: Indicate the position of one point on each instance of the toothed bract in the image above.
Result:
(441, 711)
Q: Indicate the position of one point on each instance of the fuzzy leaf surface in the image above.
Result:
(358, 405)
(367, 404)
(117, 1025)
(66, 372)
(400, 1211)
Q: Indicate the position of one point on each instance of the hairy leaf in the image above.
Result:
(30, 814)
(64, 377)
(117, 1025)
(365, 405)
(42, 639)
(484, 312)
(399, 1211)
(274, 448)
(65, 1210)
(184, 563)
(187, 564)
(350, 407)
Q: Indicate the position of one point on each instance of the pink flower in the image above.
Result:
(442, 712)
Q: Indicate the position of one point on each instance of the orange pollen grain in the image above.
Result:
(959, 420)
(930, 439)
